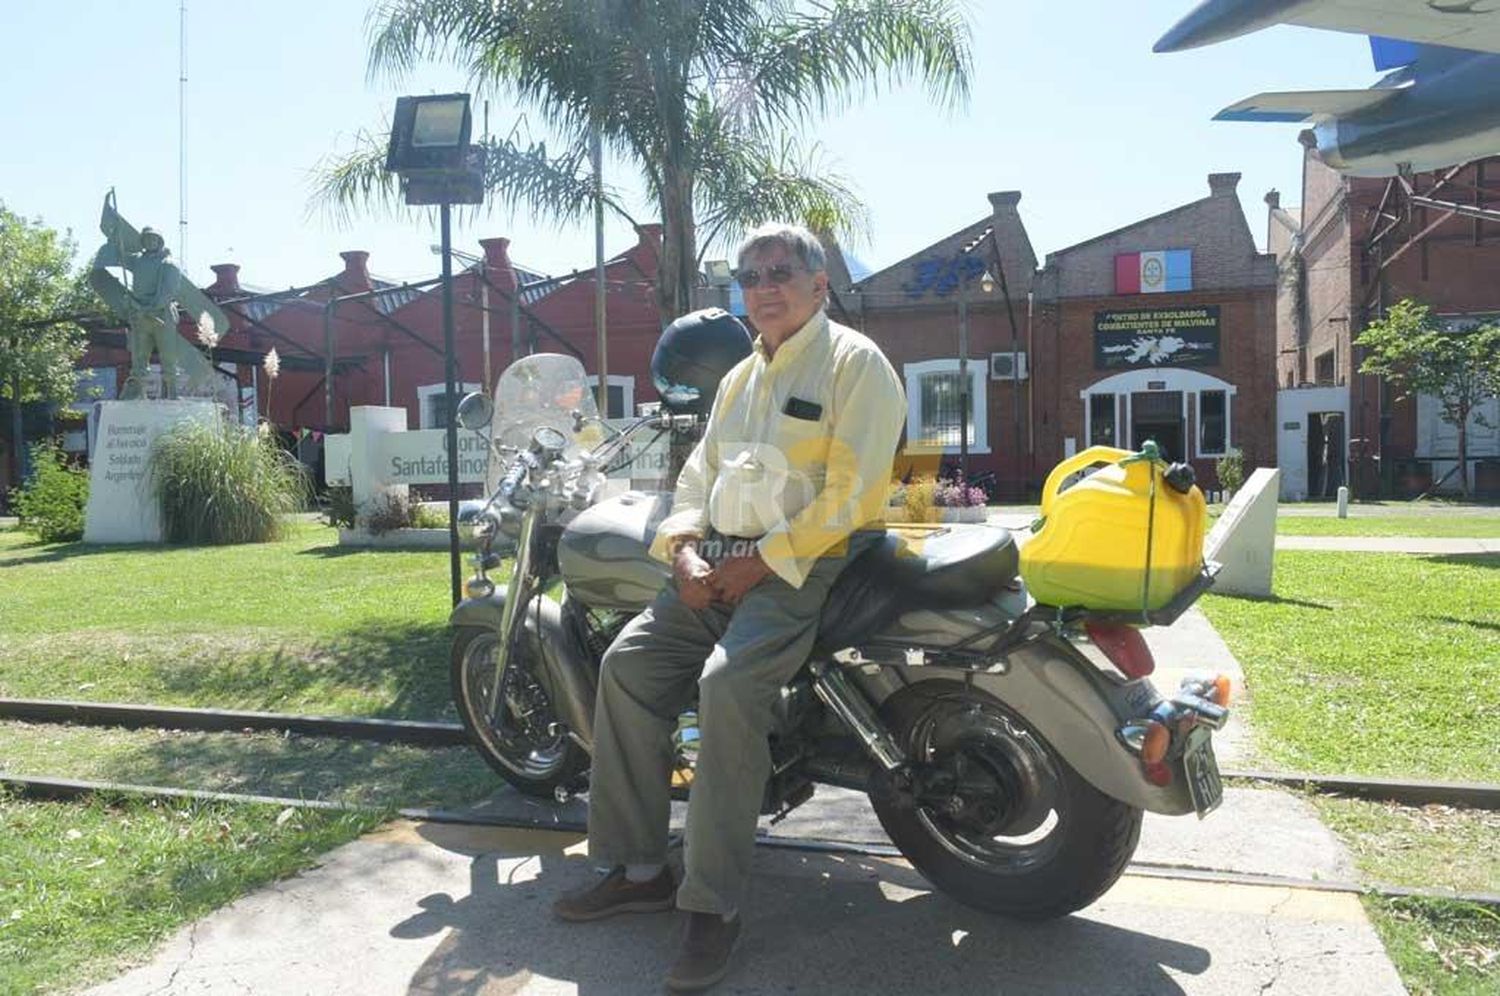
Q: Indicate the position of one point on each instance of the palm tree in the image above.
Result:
(704, 97)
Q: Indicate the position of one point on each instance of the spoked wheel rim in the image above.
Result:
(511, 711)
(993, 795)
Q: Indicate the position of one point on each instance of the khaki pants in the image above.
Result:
(738, 658)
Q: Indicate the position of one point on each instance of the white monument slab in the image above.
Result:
(379, 455)
(1244, 538)
(121, 507)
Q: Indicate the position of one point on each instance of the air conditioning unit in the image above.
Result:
(1008, 366)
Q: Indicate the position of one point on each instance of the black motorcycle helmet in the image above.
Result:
(693, 355)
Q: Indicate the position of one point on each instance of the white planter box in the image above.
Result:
(399, 539)
(977, 513)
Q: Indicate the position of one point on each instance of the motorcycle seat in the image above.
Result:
(957, 566)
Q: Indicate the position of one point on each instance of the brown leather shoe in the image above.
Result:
(706, 948)
(617, 894)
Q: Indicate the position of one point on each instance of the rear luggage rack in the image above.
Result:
(1164, 616)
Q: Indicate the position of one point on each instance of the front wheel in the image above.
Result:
(992, 814)
(509, 715)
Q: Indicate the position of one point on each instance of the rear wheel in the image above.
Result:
(992, 814)
(509, 716)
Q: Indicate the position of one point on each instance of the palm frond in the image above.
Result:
(745, 181)
(358, 181)
(518, 174)
(815, 63)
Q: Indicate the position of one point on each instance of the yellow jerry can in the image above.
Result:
(1091, 547)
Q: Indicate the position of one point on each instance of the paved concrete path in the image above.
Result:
(427, 909)
(431, 909)
(1390, 544)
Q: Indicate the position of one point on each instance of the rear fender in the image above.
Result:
(1072, 704)
(567, 673)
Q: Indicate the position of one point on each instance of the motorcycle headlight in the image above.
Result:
(481, 527)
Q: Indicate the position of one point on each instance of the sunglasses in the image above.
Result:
(778, 275)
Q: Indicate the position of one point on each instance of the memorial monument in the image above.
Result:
(150, 295)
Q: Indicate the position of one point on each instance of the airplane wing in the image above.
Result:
(1303, 105)
(1466, 24)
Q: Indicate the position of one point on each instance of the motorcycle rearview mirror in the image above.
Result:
(475, 411)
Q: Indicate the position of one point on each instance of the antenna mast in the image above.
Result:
(182, 136)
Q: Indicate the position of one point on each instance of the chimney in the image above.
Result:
(498, 267)
(1223, 184)
(649, 236)
(356, 275)
(226, 280)
(1005, 199)
(1273, 199)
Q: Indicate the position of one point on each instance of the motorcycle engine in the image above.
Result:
(795, 705)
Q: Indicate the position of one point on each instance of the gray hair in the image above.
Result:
(793, 238)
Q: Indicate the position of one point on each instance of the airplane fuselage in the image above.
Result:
(1449, 118)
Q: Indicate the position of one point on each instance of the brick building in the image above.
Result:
(912, 310)
(1164, 329)
(1355, 247)
(386, 339)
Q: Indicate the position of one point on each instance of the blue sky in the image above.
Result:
(1069, 106)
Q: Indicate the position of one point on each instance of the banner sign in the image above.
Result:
(1157, 337)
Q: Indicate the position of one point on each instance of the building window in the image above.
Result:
(1213, 423)
(935, 414)
(1323, 371)
(621, 395)
(1101, 420)
(434, 407)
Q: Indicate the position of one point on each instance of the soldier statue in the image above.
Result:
(150, 305)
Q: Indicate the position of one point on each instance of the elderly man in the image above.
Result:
(786, 487)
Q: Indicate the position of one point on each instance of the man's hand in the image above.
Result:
(737, 575)
(693, 575)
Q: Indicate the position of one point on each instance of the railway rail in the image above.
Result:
(1469, 795)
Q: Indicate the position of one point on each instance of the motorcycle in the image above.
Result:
(1009, 749)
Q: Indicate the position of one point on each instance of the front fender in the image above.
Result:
(1075, 707)
(567, 672)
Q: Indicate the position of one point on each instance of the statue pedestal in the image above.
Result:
(121, 507)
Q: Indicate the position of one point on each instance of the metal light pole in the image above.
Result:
(963, 374)
(596, 152)
(450, 374)
(430, 150)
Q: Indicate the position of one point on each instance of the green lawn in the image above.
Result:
(1465, 526)
(293, 767)
(85, 887)
(1373, 664)
(295, 626)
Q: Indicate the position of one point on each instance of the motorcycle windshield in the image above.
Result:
(543, 389)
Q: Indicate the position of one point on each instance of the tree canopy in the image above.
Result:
(38, 290)
(705, 98)
(1458, 363)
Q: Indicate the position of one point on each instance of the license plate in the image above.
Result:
(1202, 769)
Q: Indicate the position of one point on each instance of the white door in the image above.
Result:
(1293, 408)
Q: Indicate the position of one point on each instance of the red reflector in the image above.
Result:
(1159, 774)
(1124, 646)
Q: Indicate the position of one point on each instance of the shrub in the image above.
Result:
(921, 497)
(1231, 470)
(895, 497)
(426, 517)
(218, 482)
(387, 513)
(50, 504)
(341, 512)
